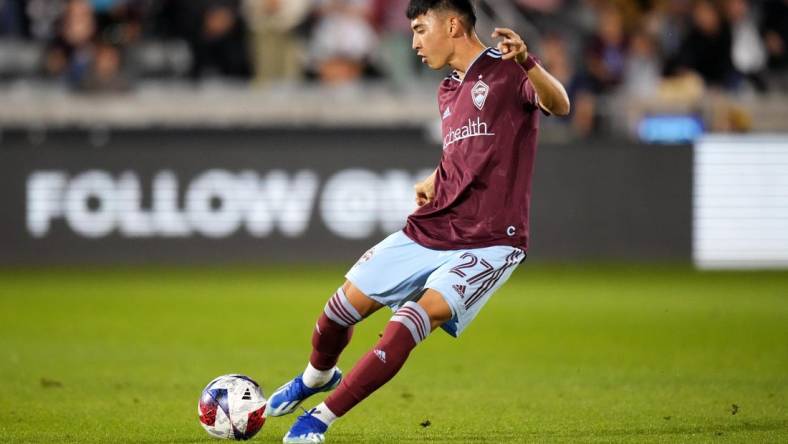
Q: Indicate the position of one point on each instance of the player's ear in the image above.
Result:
(455, 27)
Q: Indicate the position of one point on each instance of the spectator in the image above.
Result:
(668, 22)
(216, 34)
(119, 21)
(707, 48)
(70, 55)
(277, 50)
(748, 52)
(343, 40)
(775, 33)
(605, 55)
(604, 60)
(12, 19)
(105, 73)
(43, 17)
(642, 72)
(394, 31)
(555, 57)
(80, 57)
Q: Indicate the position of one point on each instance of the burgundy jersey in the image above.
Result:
(483, 183)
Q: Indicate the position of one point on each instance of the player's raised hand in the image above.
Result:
(511, 45)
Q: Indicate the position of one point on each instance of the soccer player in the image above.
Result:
(469, 232)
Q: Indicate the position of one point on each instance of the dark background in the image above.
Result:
(604, 200)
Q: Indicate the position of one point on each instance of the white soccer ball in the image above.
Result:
(232, 407)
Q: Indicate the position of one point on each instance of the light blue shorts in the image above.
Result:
(398, 270)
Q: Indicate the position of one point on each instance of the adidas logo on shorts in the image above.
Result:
(460, 289)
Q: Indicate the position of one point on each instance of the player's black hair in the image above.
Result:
(464, 8)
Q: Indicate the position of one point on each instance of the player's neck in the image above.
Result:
(465, 53)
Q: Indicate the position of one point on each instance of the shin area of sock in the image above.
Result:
(374, 369)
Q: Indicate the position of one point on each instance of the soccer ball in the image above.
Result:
(232, 407)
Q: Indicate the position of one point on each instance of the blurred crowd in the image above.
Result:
(676, 51)
(105, 44)
(639, 48)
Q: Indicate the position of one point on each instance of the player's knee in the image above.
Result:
(362, 303)
(436, 308)
(340, 311)
(414, 318)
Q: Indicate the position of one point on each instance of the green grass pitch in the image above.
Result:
(562, 354)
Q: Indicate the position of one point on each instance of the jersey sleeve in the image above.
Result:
(528, 94)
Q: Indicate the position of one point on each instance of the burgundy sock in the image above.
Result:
(328, 341)
(408, 327)
(333, 331)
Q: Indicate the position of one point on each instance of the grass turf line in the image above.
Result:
(561, 354)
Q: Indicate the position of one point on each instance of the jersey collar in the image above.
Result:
(456, 76)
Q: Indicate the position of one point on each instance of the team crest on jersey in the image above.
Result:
(479, 94)
(366, 256)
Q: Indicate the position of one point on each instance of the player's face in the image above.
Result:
(432, 39)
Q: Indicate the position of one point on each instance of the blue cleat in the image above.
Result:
(306, 430)
(289, 396)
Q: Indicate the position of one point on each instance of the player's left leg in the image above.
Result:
(409, 326)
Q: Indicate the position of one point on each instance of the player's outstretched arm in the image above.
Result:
(552, 95)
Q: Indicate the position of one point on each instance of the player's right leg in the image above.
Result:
(331, 335)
